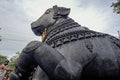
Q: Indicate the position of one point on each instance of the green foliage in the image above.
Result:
(116, 7)
(13, 60)
(2, 58)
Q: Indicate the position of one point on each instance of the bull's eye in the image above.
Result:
(48, 11)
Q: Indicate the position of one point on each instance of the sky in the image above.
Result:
(16, 17)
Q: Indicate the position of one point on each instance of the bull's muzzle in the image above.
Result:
(38, 30)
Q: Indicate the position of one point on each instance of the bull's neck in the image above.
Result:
(61, 25)
(58, 23)
(61, 20)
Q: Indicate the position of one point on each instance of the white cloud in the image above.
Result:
(89, 17)
(35, 8)
(16, 30)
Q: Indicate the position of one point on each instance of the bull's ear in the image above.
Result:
(60, 12)
(64, 11)
(55, 8)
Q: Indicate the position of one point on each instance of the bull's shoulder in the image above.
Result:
(32, 46)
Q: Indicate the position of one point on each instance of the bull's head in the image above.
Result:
(49, 18)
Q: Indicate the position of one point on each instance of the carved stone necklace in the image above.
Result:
(63, 33)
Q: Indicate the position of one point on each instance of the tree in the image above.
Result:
(2, 59)
(116, 7)
(13, 60)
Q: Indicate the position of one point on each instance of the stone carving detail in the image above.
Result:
(68, 51)
(68, 24)
(73, 36)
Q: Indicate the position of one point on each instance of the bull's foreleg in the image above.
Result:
(49, 59)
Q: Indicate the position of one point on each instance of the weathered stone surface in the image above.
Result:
(72, 52)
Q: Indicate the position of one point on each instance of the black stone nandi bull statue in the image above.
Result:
(68, 51)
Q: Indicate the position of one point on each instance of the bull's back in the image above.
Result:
(100, 57)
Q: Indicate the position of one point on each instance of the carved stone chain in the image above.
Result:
(73, 36)
(67, 24)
